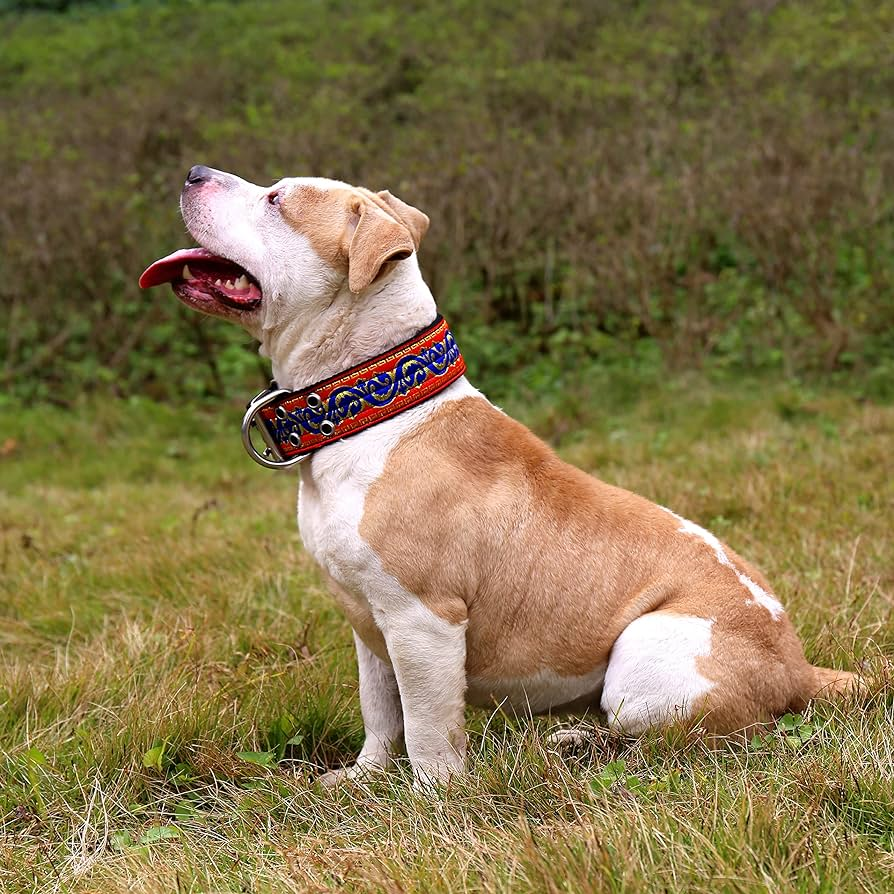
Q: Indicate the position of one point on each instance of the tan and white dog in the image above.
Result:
(473, 564)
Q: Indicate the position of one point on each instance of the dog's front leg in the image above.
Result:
(428, 654)
(383, 719)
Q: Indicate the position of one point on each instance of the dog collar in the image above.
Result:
(295, 424)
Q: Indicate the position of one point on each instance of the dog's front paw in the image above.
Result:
(429, 776)
(348, 774)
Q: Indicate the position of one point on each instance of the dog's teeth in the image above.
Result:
(241, 283)
(217, 282)
(229, 284)
(187, 273)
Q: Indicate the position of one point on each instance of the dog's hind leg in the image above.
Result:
(729, 673)
(653, 676)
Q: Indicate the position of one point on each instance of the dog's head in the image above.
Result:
(273, 255)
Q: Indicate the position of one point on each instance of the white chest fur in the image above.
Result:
(331, 500)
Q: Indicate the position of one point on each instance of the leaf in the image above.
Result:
(790, 721)
(185, 810)
(611, 773)
(634, 783)
(159, 833)
(261, 758)
(35, 758)
(121, 839)
(183, 773)
(673, 781)
(283, 733)
(154, 756)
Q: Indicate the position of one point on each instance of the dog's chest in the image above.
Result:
(331, 504)
(329, 514)
(332, 499)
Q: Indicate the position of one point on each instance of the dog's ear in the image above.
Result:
(378, 238)
(412, 218)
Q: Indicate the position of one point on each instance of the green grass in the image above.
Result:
(173, 674)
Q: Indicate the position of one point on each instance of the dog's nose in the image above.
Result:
(199, 174)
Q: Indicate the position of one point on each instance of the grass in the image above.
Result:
(173, 675)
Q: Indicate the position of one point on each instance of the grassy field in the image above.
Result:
(173, 674)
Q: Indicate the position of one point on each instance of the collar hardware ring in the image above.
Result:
(270, 457)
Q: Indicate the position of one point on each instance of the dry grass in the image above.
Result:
(154, 591)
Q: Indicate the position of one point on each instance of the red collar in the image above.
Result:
(295, 424)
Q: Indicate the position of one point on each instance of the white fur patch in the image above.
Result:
(535, 694)
(652, 677)
(759, 595)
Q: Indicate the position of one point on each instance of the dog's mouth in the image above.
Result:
(205, 280)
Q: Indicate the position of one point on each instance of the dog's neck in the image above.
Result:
(352, 328)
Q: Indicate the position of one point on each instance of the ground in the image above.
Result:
(173, 674)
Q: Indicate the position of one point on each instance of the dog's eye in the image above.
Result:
(273, 198)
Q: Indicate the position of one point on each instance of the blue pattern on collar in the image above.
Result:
(378, 391)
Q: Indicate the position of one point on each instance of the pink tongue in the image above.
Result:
(171, 267)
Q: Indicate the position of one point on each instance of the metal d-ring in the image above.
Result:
(271, 458)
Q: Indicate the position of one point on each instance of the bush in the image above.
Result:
(715, 178)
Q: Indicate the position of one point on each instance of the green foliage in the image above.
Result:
(712, 181)
(123, 840)
(30, 767)
(155, 757)
(261, 758)
(792, 732)
(614, 778)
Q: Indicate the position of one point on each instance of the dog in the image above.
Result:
(473, 564)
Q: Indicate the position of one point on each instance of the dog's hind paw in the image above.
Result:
(569, 738)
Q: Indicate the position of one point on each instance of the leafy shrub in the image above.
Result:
(713, 178)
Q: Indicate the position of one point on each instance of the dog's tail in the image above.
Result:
(835, 685)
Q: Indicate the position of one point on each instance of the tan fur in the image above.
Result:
(550, 564)
(378, 238)
(355, 230)
(322, 216)
(834, 684)
(360, 617)
(412, 218)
